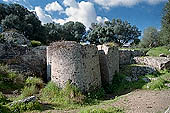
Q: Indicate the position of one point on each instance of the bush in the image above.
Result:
(28, 91)
(22, 107)
(3, 99)
(35, 43)
(34, 81)
(10, 80)
(69, 97)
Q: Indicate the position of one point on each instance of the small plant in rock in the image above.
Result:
(35, 43)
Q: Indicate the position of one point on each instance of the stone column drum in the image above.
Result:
(70, 61)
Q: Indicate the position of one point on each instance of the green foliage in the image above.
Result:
(22, 107)
(159, 83)
(70, 31)
(150, 38)
(117, 31)
(28, 91)
(159, 50)
(69, 97)
(34, 81)
(35, 43)
(15, 16)
(165, 30)
(3, 99)
(101, 110)
(4, 109)
(32, 86)
(10, 80)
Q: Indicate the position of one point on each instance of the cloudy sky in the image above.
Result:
(142, 13)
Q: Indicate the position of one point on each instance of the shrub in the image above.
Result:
(28, 91)
(35, 43)
(10, 80)
(50, 91)
(22, 107)
(34, 81)
(3, 99)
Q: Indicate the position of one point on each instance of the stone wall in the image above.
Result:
(70, 61)
(156, 62)
(109, 63)
(126, 56)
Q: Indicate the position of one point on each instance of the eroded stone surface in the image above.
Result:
(73, 62)
(20, 57)
(156, 62)
(109, 63)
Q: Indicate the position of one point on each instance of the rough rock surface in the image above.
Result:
(20, 57)
(73, 62)
(109, 63)
(156, 62)
(126, 56)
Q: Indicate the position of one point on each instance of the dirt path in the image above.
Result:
(139, 101)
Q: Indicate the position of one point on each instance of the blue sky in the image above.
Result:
(142, 13)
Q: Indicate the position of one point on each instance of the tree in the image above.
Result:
(118, 31)
(150, 37)
(15, 16)
(70, 31)
(165, 30)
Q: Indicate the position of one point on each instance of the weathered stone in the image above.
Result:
(126, 56)
(16, 53)
(109, 63)
(14, 39)
(156, 62)
(146, 80)
(73, 62)
(162, 55)
(26, 100)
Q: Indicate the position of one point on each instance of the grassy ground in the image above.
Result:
(159, 50)
(51, 97)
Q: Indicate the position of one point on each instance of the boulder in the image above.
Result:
(17, 53)
(156, 62)
(162, 55)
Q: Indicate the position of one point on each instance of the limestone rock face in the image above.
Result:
(20, 57)
(109, 63)
(156, 62)
(126, 56)
(70, 61)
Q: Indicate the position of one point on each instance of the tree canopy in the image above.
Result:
(165, 30)
(117, 31)
(150, 37)
(70, 31)
(15, 16)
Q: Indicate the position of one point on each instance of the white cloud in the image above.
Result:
(54, 6)
(84, 13)
(44, 18)
(101, 20)
(112, 3)
(70, 3)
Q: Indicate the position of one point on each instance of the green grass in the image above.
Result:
(9, 80)
(103, 110)
(158, 50)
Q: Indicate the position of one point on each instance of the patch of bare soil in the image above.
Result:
(139, 101)
(142, 101)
